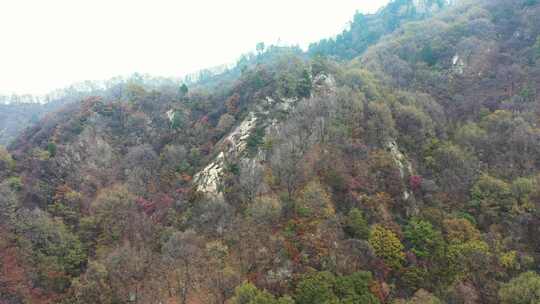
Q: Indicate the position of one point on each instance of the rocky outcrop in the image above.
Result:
(458, 65)
(402, 162)
(234, 145)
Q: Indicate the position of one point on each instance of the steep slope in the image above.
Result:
(408, 174)
(366, 30)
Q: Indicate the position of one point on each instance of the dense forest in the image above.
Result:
(398, 162)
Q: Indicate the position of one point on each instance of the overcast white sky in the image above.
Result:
(50, 44)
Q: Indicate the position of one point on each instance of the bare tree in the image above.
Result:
(183, 253)
(251, 177)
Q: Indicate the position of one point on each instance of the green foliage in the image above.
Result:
(178, 120)
(293, 78)
(316, 288)
(356, 225)
(414, 277)
(69, 213)
(304, 86)
(260, 47)
(453, 167)
(415, 127)
(366, 30)
(324, 287)
(6, 161)
(255, 139)
(491, 197)
(465, 258)
(319, 65)
(381, 125)
(451, 117)
(9, 204)
(423, 238)
(247, 293)
(509, 260)
(183, 90)
(387, 246)
(524, 289)
(15, 183)
(51, 148)
(428, 55)
(522, 188)
(57, 253)
(354, 288)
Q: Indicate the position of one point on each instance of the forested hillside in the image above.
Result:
(396, 163)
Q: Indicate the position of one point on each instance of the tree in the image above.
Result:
(9, 204)
(491, 198)
(247, 293)
(212, 216)
(422, 297)
(355, 288)
(178, 120)
(286, 166)
(260, 48)
(220, 276)
(460, 230)
(265, 209)
(454, 168)
(468, 259)
(305, 85)
(183, 253)
(93, 286)
(316, 288)
(387, 246)
(325, 287)
(524, 289)
(314, 201)
(183, 90)
(226, 121)
(129, 268)
(57, 253)
(6, 163)
(356, 225)
(113, 212)
(423, 238)
(51, 148)
(140, 168)
(251, 178)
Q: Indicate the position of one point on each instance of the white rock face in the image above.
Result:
(237, 138)
(402, 162)
(458, 65)
(208, 180)
(170, 115)
(324, 84)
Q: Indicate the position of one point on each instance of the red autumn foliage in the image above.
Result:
(415, 182)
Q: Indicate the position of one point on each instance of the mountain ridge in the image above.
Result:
(407, 173)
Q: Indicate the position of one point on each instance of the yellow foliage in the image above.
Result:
(509, 260)
(387, 246)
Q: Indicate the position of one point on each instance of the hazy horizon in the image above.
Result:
(75, 41)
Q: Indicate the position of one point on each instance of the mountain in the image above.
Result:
(398, 168)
